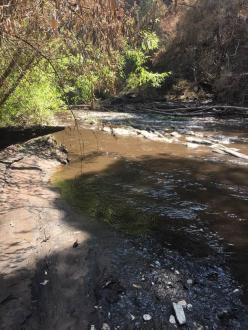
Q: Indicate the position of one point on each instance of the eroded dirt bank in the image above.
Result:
(62, 270)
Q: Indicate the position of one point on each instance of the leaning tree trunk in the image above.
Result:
(13, 87)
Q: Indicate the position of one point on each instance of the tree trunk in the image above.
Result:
(9, 92)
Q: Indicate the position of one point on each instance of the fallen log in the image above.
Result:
(229, 151)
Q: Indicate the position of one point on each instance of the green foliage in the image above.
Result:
(85, 77)
(143, 78)
(150, 41)
(34, 101)
(135, 70)
(79, 78)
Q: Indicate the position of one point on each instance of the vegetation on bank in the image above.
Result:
(59, 53)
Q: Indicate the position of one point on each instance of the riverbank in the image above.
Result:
(61, 269)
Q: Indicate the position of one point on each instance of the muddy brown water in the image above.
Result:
(193, 201)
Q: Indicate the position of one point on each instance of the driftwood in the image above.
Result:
(220, 148)
(229, 151)
(198, 111)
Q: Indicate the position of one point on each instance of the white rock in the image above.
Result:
(172, 319)
(132, 317)
(176, 135)
(189, 281)
(92, 327)
(44, 282)
(198, 140)
(147, 317)
(105, 326)
(177, 272)
(236, 291)
(158, 263)
(179, 313)
(182, 303)
(192, 145)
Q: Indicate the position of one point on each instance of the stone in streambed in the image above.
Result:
(147, 317)
(172, 319)
(179, 312)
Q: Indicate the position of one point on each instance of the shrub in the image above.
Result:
(34, 101)
(135, 70)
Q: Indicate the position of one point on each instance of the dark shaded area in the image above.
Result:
(14, 135)
(193, 206)
(108, 278)
(208, 47)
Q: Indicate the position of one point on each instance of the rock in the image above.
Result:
(137, 286)
(189, 281)
(189, 307)
(217, 151)
(92, 327)
(230, 151)
(198, 140)
(179, 312)
(236, 291)
(75, 244)
(132, 317)
(182, 303)
(192, 145)
(147, 317)
(177, 272)
(176, 134)
(44, 282)
(157, 263)
(172, 319)
(105, 326)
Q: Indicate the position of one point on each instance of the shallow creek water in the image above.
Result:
(191, 200)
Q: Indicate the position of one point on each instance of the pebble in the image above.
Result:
(147, 317)
(189, 281)
(172, 319)
(137, 286)
(132, 317)
(189, 307)
(105, 326)
(236, 291)
(177, 272)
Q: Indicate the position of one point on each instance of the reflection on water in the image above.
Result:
(187, 198)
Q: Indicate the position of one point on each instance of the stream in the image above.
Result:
(190, 200)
